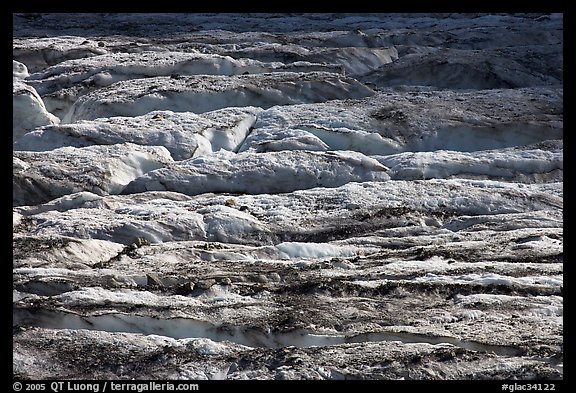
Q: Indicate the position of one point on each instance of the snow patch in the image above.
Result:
(98, 169)
(229, 225)
(261, 173)
(101, 296)
(39, 52)
(555, 281)
(28, 110)
(73, 252)
(296, 250)
(206, 93)
(16, 219)
(264, 140)
(207, 347)
(19, 70)
(184, 135)
(442, 164)
(64, 203)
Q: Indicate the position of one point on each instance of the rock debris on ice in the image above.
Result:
(288, 196)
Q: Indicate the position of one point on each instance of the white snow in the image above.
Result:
(64, 83)
(92, 250)
(555, 281)
(66, 202)
(42, 271)
(272, 139)
(184, 135)
(17, 296)
(501, 163)
(28, 110)
(203, 93)
(540, 244)
(109, 68)
(145, 64)
(457, 68)
(207, 347)
(391, 122)
(297, 250)
(76, 254)
(124, 225)
(98, 295)
(101, 296)
(485, 279)
(355, 61)
(40, 52)
(98, 169)
(228, 225)
(19, 70)
(16, 219)
(493, 300)
(169, 218)
(537, 306)
(369, 143)
(472, 138)
(362, 183)
(261, 173)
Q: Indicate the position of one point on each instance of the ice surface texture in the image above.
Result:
(288, 196)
